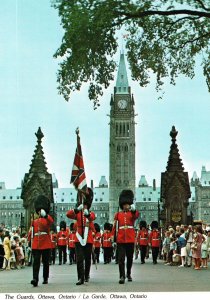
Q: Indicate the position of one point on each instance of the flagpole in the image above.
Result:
(79, 192)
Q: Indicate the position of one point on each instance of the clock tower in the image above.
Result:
(122, 140)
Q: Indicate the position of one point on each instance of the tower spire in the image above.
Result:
(174, 160)
(122, 78)
(37, 181)
(38, 162)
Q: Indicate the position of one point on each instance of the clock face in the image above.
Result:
(122, 103)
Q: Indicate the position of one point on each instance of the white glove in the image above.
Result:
(132, 207)
(80, 207)
(43, 213)
(86, 212)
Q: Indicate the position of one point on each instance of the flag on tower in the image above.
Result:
(78, 177)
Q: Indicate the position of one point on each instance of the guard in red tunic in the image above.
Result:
(53, 237)
(106, 240)
(154, 241)
(84, 236)
(125, 233)
(41, 241)
(71, 244)
(62, 241)
(142, 240)
(97, 242)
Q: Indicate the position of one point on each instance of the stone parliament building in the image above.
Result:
(176, 199)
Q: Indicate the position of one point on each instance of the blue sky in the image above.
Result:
(30, 33)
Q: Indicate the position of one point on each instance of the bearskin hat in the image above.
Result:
(106, 226)
(154, 224)
(126, 197)
(142, 224)
(88, 199)
(63, 225)
(97, 227)
(42, 202)
(71, 226)
(53, 227)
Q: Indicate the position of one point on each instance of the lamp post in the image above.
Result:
(21, 223)
(158, 213)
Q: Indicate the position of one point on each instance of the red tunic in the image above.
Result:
(62, 238)
(41, 233)
(143, 237)
(71, 240)
(106, 239)
(97, 239)
(53, 237)
(85, 221)
(154, 238)
(124, 225)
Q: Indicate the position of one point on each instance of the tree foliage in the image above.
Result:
(163, 36)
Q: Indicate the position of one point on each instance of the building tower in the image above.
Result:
(175, 187)
(37, 181)
(122, 139)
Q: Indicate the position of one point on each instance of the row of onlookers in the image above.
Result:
(187, 246)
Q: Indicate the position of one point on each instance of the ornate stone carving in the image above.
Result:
(36, 181)
(175, 187)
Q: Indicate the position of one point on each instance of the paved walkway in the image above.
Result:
(146, 278)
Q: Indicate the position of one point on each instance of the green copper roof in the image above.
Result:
(122, 79)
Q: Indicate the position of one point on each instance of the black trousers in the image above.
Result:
(125, 250)
(107, 254)
(2, 256)
(83, 254)
(72, 257)
(37, 255)
(155, 251)
(97, 254)
(52, 255)
(62, 252)
(143, 251)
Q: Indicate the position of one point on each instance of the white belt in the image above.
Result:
(71, 240)
(125, 227)
(40, 233)
(155, 239)
(62, 238)
(143, 238)
(106, 240)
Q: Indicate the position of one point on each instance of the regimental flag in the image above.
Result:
(78, 177)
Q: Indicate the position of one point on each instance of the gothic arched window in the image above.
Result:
(126, 148)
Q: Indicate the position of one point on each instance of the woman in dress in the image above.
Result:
(7, 248)
(196, 252)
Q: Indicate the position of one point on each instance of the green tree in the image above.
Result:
(163, 36)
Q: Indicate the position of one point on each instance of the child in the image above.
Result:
(204, 253)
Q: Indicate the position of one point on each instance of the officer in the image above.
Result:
(84, 235)
(154, 241)
(41, 241)
(142, 239)
(125, 233)
(62, 241)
